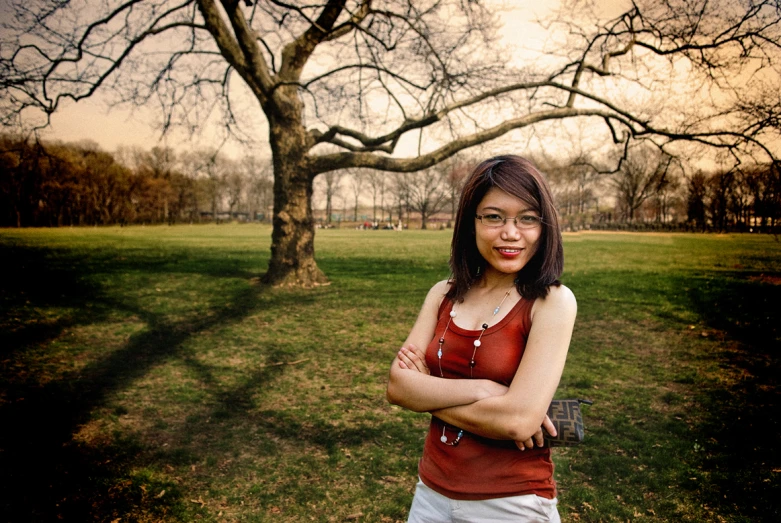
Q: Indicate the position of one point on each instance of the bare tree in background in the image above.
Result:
(666, 199)
(377, 184)
(260, 186)
(642, 173)
(455, 177)
(399, 189)
(357, 177)
(427, 69)
(211, 168)
(764, 182)
(235, 184)
(333, 184)
(162, 163)
(428, 193)
(696, 192)
(575, 182)
(721, 186)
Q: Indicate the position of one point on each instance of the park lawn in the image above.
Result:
(147, 375)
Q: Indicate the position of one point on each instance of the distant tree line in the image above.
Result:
(78, 184)
(651, 190)
(395, 197)
(55, 184)
(647, 189)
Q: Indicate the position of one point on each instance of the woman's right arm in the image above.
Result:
(414, 388)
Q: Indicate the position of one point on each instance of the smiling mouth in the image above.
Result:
(505, 250)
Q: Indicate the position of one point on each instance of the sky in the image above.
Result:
(92, 119)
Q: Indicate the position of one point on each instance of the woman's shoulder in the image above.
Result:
(441, 287)
(561, 292)
(437, 293)
(559, 299)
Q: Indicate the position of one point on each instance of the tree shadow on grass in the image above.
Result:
(46, 278)
(33, 284)
(44, 474)
(742, 428)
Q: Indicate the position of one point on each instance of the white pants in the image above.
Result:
(429, 506)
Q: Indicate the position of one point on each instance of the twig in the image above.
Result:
(280, 363)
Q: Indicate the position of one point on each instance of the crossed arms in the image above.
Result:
(481, 406)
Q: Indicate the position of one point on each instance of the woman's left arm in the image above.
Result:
(518, 414)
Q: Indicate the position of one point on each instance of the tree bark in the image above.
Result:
(293, 238)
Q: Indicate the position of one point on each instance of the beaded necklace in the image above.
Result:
(472, 361)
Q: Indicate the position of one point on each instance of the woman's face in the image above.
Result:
(508, 247)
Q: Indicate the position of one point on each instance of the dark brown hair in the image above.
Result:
(520, 178)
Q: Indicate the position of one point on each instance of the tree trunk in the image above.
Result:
(293, 238)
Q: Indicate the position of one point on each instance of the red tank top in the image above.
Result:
(482, 468)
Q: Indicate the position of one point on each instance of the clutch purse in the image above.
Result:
(568, 420)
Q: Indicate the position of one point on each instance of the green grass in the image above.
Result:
(145, 375)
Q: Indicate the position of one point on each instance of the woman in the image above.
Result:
(486, 354)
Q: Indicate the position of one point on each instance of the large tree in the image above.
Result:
(346, 83)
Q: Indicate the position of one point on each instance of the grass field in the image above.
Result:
(145, 375)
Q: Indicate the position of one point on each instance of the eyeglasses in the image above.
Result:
(525, 221)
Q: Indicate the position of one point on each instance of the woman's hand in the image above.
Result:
(413, 358)
(537, 438)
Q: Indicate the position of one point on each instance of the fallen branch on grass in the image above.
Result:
(280, 363)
